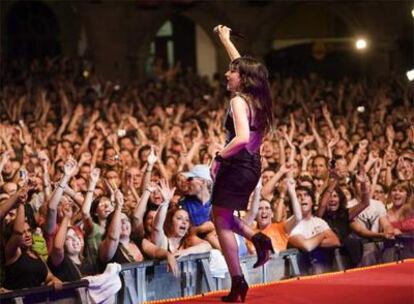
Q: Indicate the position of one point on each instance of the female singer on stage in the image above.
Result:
(236, 168)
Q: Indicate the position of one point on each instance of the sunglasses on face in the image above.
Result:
(192, 178)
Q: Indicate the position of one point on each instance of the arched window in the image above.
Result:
(181, 40)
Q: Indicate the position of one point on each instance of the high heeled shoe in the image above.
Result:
(238, 290)
(263, 245)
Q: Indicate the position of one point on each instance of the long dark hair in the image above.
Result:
(168, 224)
(342, 210)
(255, 84)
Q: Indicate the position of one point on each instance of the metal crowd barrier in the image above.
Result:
(375, 251)
(72, 292)
(149, 280)
(281, 266)
(397, 249)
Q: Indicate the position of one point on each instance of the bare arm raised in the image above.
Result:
(158, 236)
(224, 34)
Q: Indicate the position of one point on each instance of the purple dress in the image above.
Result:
(238, 174)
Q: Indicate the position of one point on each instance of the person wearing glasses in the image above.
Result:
(197, 203)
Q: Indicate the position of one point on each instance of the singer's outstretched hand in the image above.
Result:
(223, 32)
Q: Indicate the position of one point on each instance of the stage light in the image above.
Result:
(361, 44)
(410, 75)
(412, 12)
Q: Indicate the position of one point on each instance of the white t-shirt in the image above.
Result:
(310, 227)
(370, 216)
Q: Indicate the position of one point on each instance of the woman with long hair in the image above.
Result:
(171, 228)
(399, 215)
(119, 246)
(333, 210)
(66, 259)
(23, 267)
(236, 168)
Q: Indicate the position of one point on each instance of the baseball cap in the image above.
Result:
(201, 171)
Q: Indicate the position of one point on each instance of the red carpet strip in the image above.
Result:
(381, 284)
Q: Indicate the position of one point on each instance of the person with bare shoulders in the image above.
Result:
(236, 168)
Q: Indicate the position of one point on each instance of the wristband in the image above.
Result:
(61, 187)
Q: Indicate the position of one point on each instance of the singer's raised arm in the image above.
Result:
(224, 34)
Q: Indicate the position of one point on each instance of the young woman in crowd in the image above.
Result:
(66, 258)
(401, 213)
(171, 228)
(117, 245)
(23, 267)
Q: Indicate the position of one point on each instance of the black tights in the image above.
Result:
(226, 225)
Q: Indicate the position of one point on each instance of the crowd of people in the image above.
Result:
(94, 172)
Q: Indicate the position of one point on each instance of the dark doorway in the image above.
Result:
(184, 41)
(174, 43)
(32, 31)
